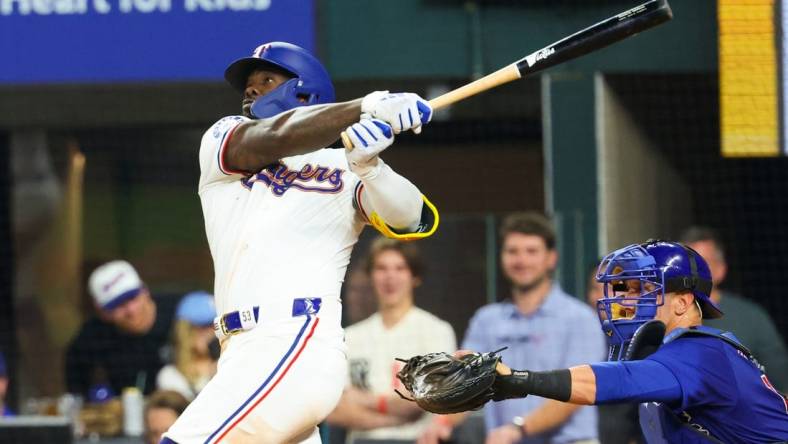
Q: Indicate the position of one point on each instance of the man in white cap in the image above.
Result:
(125, 345)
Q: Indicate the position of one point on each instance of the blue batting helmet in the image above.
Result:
(636, 279)
(310, 84)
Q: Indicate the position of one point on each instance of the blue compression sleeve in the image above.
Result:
(635, 381)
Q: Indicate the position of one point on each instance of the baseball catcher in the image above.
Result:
(695, 384)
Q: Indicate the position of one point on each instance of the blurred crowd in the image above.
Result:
(160, 350)
(136, 363)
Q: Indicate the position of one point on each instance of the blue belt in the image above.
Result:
(243, 320)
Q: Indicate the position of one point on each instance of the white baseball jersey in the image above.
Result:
(372, 349)
(282, 234)
(286, 232)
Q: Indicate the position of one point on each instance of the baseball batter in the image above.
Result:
(282, 215)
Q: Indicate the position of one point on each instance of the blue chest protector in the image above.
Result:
(660, 424)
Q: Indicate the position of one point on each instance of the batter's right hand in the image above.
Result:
(403, 111)
(370, 137)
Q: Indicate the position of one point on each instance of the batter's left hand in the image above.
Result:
(370, 137)
(506, 434)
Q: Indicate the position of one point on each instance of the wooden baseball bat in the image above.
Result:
(598, 36)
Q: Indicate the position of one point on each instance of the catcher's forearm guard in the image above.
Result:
(555, 384)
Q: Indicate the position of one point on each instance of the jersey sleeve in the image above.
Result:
(212, 146)
(702, 369)
(635, 381)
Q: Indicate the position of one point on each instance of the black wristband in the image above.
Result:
(555, 384)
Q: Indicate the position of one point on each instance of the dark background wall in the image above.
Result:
(744, 198)
(8, 345)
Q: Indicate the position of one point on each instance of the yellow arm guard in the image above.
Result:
(428, 224)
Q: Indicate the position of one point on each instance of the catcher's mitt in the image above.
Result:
(441, 383)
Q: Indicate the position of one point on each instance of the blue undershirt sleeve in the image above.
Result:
(635, 381)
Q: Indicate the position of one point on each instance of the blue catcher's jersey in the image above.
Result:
(724, 394)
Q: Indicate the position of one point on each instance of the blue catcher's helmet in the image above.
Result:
(310, 84)
(652, 269)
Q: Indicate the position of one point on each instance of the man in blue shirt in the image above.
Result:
(543, 328)
(697, 384)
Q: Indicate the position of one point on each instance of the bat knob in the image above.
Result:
(346, 141)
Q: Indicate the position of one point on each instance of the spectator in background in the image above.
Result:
(161, 410)
(594, 290)
(544, 328)
(4, 409)
(618, 423)
(748, 320)
(369, 407)
(195, 346)
(125, 344)
(358, 300)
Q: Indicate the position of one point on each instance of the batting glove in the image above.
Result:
(403, 111)
(370, 137)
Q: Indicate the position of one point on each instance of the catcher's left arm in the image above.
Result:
(442, 383)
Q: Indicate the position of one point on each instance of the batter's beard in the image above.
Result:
(246, 110)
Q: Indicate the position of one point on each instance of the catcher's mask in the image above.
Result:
(636, 279)
(310, 85)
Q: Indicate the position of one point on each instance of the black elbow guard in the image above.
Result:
(555, 384)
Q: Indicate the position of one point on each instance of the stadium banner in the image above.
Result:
(130, 41)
